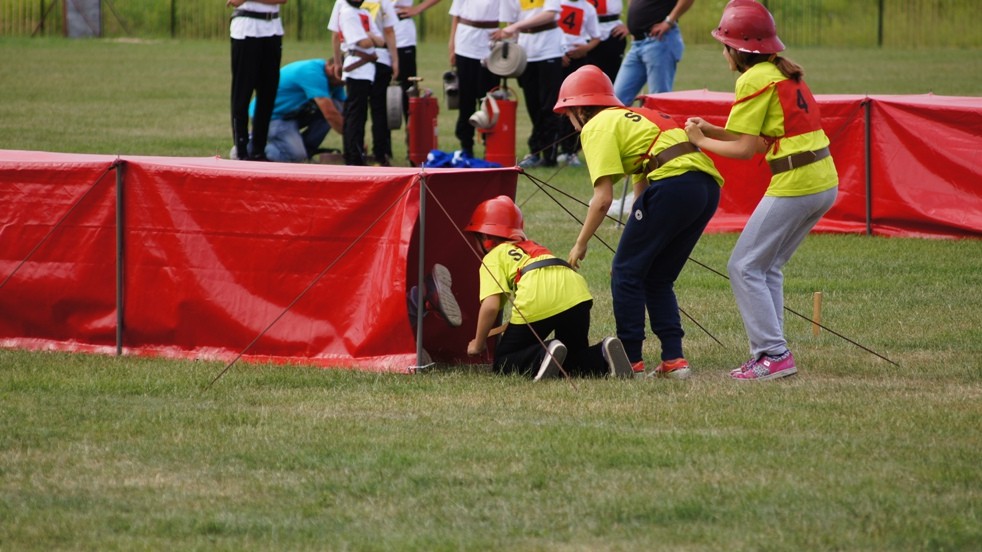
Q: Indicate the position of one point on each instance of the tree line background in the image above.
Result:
(848, 23)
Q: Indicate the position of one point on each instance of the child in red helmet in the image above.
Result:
(546, 296)
(677, 189)
(774, 113)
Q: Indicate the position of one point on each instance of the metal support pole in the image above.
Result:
(879, 25)
(868, 119)
(120, 166)
(421, 283)
(44, 16)
(300, 20)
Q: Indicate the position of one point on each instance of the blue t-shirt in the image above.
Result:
(300, 82)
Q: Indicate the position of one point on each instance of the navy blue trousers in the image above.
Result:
(664, 225)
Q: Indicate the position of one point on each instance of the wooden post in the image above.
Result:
(817, 313)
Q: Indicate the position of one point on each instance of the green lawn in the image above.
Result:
(854, 453)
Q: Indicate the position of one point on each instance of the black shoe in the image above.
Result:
(552, 362)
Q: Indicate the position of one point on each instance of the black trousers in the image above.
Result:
(473, 83)
(255, 68)
(540, 87)
(570, 139)
(355, 116)
(381, 135)
(608, 56)
(519, 350)
(407, 68)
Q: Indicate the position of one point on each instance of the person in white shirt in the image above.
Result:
(383, 18)
(609, 54)
(406, 44)
(534, 22)
(358, 36)
(581, 34)
(256, 32)
(471, 25)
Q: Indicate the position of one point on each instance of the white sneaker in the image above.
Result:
(530, 161)
(618, 207)
(561, 158)
(233, 154)
(573, 160)
(551, 364)
(618, 364)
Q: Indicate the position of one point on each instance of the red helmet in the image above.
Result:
(747, 26)
(499, 217)
(586, 86)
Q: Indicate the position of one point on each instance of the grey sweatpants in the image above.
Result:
(775, 230)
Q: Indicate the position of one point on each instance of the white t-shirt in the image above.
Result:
(405, 28)
(578, 21)
(383, 14)
(608, 7)
(472, 42)
(353, 24)
(538, 46)
(248, 27)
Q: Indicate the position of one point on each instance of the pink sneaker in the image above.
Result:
(744, 367)
(675, 369)
(769, 368)
(638, 368)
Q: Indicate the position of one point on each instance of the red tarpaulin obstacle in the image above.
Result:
(208, 258)
(906, 163)
(315, 261)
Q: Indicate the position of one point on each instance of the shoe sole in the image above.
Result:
(679, 374)
(620, 367)
(553, 361)
(445, 303)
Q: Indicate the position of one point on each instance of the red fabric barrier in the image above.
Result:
(285, 263)
(927, 178)
(310, 263)
(57, 251)
(923, 180)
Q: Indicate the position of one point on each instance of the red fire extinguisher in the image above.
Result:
(421, 128)
(496, 122)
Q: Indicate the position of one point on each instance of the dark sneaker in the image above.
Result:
(551, 365)
(618, 365)
(439, 296)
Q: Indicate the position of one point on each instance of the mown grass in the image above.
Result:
(855, 453)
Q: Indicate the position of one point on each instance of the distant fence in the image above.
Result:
(852, 23)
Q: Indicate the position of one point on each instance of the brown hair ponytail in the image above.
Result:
(789, 68)
(746, 60)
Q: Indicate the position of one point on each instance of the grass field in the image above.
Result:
(854, 453)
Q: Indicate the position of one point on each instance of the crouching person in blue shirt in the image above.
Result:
(309, 103)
